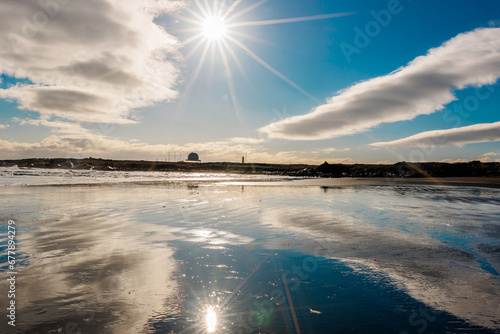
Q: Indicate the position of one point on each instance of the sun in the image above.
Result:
(214, 27)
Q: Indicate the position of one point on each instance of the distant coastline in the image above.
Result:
(397, 170)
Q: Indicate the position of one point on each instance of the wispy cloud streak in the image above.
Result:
(422, 87)
(477, 133)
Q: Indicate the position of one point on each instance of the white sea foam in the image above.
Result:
(16, 176)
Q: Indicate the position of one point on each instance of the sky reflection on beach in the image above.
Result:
(213, 257)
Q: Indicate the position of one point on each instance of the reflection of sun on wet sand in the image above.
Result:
(117, 258)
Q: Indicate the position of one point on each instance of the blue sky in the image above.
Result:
(116, 79)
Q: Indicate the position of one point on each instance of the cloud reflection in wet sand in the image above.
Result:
(442, 261)
(152, 258)
(93, 272)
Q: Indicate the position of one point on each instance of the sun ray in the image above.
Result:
(236, 61)
(289, 20)
(240, 67)
(215, 9)
(196, 15)
(204, 10)
(272, 69)
(249, 37)
(191, 40)
(220, 11)
(208, 8)
(196, 47)
(246, 10)
(212, 63)
(230, 83)
(198, 68)
(231, 8)
(194, 21)
(189, 85)
(190, 30)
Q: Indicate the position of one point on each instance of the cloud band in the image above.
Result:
(420, 88)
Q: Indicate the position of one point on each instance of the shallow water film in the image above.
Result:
(251, 257)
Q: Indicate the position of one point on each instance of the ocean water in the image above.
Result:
(238, 254)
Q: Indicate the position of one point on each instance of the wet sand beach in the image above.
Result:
(249, 256)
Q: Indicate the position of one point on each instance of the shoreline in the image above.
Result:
(325, 183)
(406, 170)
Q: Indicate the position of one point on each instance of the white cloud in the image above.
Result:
(4, 126)
(490, 154)
(57, 126)
(94, 60)
(420, 88)
(477, 133)
(453, 161)
(247, 140)
(82, 144)
(383, 162)
(490, 157)
(329, 150)
(70, 140)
